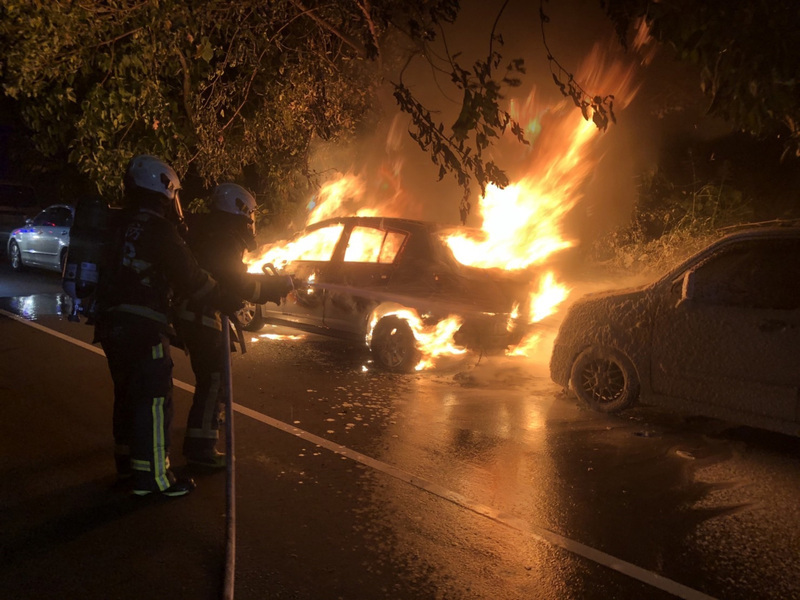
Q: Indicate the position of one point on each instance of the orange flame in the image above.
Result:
(521, 225)
(432, 340)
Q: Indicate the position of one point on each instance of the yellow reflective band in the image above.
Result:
(207, 321)
(159, 445)
(158, 351)
(140, 465)
(205, 434)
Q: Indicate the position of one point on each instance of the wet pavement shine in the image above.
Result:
(479, 480)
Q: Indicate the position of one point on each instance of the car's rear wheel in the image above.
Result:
(249, 317)
(15, 256)
(394, 347)
(605, 380)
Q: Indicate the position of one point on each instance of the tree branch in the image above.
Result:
(187, 85)
(362, 52)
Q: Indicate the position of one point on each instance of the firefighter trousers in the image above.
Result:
(139, 359)
(205, 347)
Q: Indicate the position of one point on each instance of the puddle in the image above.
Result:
(36, 306)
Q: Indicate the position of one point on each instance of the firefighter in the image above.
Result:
(149, 263)
(219, 239)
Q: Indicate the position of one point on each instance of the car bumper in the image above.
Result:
(561, 364)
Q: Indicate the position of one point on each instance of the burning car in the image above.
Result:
(395, 284)
(717, 336)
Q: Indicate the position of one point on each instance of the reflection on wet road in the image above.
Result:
(483, 481)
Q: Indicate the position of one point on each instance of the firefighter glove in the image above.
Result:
(227, 303)
(273, 288)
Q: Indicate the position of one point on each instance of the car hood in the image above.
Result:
(602, 316)
(619, 295)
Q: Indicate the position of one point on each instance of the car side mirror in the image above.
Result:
(687, 290)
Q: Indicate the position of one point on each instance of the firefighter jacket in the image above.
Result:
(218, 241)
(151, 265)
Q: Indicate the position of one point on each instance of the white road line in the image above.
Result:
(650, 578)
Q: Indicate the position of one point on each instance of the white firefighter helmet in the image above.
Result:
(234, 199)
(150, 173)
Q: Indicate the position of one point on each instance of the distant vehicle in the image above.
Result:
(43, 241)
(366, 270)
(18, 203)
(717, 336)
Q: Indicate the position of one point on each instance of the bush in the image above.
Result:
(669, 224)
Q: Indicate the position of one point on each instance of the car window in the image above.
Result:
(317, 244)
(763, 274)
(373, 245)
(42, 219)
(60, 216)
(391, 246)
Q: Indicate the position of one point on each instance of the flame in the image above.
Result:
(547, 298)
(520, 226)
(432, 340)
(315, 245)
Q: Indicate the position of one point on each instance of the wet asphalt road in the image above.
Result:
(478, 480)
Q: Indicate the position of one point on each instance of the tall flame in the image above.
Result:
(521, 225)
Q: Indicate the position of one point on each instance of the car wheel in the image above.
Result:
(15, 256)
(394, 347)
(605, 380)
(249, 317)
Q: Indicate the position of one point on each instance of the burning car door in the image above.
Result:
(312, 254)
(728, 337)
(358, 281)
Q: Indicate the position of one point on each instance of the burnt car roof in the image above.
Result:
(372, 221)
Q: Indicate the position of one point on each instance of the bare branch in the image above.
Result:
(118, 38)
(187, 85)
(365, 9)
(362, 52)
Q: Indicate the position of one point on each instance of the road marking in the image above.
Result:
(607, 560)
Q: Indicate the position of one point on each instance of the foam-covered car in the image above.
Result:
(369, 277)
(719, 336)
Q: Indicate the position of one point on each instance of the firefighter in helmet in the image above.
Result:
(148, 264)
(219, 239)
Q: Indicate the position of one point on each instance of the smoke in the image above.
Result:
(401, 179)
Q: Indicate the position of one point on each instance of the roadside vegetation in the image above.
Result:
(679, 213)
(242, 90)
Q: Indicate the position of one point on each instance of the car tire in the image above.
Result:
(249, 317)
(15, 257)
(605, 380)
(393, 345)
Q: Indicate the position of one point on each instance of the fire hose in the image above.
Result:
(230, 479)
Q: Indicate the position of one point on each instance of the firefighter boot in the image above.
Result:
(203, 453)
(181, 487)
(161, 482)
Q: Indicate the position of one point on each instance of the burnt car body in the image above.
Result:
(357, 296)
(43, 241)
(717, 336)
